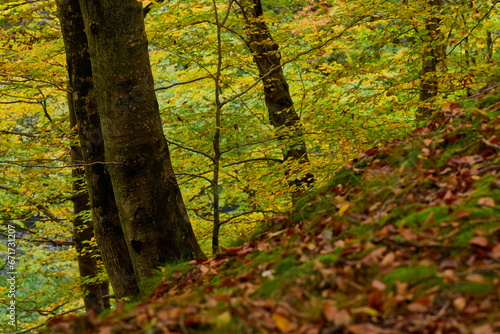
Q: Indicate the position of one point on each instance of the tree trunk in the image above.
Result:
(489, 46)
(152, 213)
(107, 229)
(282, 114)
(82, 231)
(430, 59)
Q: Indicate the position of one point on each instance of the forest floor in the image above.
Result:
(404, 240)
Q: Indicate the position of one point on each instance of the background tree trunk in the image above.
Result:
(430, 59)
(82, 231)
(107, 229)
(150, 205)
(282, 114)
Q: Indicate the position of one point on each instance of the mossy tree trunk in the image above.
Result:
(282, 114)
(107, 229)
(152, 213)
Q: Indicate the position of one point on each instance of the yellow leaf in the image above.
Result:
(343, 209)
(223, 319)
(281, 322)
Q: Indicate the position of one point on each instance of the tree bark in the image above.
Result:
(83, 231)
(152, 213)
(107, 228)
(282, 114)
(430, 59)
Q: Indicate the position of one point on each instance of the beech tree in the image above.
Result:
(282, 114)
(82, 235)
(430, 59)
(153, 218)
(83, 107)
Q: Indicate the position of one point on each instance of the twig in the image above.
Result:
(184, 330)
(493, 107)
(183, 83)
(246, 213)
(470, 32)
(19, 101)
(15, 163)
(254, 159)
(248, 144)
(47, 241)
(191, 149)
(195, 175)
(18, 133)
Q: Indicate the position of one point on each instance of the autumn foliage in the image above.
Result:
(398, 231)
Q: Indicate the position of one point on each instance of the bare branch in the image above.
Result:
(15, 163)
(19, 101)
(56, 243)
(191, 149)
(254, 159)
(183, 83)
(246, 213)
(470, 32)
(194, 175)
(247, 144)
(18, 133)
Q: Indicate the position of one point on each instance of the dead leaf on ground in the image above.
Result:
(486, 201)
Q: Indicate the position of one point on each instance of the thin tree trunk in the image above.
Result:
(82, 231)
(430, 59)
(489, 45)
(107, 229)
(217, 134)
(152, 213)
(282, 114)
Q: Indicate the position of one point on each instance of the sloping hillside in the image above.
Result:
(404, 240)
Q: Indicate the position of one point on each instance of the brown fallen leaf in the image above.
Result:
(370, 329)
(459, 303)
(479, 241)
(476, 278)
(330, 311)
(484, 329)
(427, 141)
(495, 252)
(408, 234)
(462, 213)
(417, 308)
(421, 305)
(378, 285)
(388, 259)
(486, 201)
(342, 318)
(430, 218)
